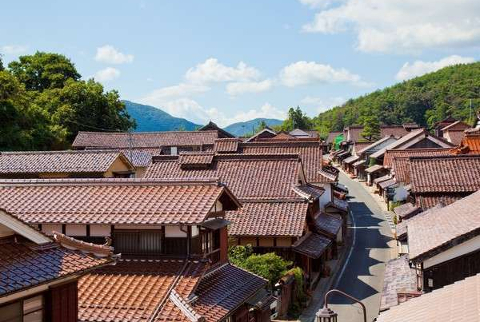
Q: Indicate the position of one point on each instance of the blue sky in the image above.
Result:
(235, 60)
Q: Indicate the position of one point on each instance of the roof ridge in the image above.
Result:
(147, 132)
(116, 181)
(446, 156)
(90, 151)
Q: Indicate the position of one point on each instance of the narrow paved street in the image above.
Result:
(362, 275)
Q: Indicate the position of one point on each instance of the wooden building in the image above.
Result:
(173, 240)
(444, 244)
(65, 164)
(170, 142)
(39, 274)
(269, 185)
(454, 302)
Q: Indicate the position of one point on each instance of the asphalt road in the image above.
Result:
(362, 274)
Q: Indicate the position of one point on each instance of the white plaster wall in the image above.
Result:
(401, 194)
(195, 231)
(469, 246)
(50, 228)
(138, 226)
(100, 230)
(174, 231)
(76, 230)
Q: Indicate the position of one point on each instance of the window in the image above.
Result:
(138, 242)
(28, 310)
(33, 309)
(173, 150)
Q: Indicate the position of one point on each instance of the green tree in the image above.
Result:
(1, 63)
(371, 128)
(43, 71)
(262, 125)
(23, 126)
(270, 266)
(296, 120)
(84, 106)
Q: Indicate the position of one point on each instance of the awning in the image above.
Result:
(312, 245)
(343, 154)
(216, 223)
(351, 159)
(380, 179)
(327, 223)
(359, 163)
(388, 183)
(374, 168)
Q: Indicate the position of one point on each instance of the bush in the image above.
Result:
(296, 306)
(270, 266)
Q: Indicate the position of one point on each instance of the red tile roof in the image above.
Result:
(406, 153)
(112, 201)
(455, 302)
(327, 223)
(133, 290)
(407, 210)
(429, 200)
(452, 222)
(24, 264)
(312, 245)
(222, 291)
(226, 145)
(470, 143)
(34, 162)
(310, 154)
(144, 139)
(269, 219)
(250, 177)
(455, 137)
(401, 227)
(195, 159)
(399, 277)
(445, 174)
(395, 130)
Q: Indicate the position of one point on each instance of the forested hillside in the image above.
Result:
(149, 118)
(44, 103)
(424, 100)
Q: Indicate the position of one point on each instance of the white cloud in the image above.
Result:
(316, 3)
(179, 90)
(419, 67)
(266, 110)
(107, 74)
(108, 54)
(322, 104)
(302, 73)
(212, 71)
(238, 88)
(13, 49)
(402, 25)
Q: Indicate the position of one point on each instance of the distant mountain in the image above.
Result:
(248, 127)
(150, 118)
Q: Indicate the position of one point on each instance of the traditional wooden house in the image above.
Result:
(453, 302)
(363, 162)
(171, 142)
(470, 143)
(310, 153)
(438, 126)
(444, 245)
(455, 132)
(443, 179)
(269, 186)
(210, 126)
(39, 274)
(173, 240)
(416, 139)
(330, 140)
(65, 164)
(266, 133)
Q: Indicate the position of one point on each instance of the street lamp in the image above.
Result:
(328, 315)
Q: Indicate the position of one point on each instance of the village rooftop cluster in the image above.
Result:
(137, 226)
